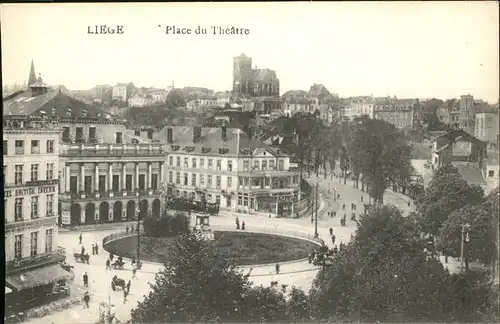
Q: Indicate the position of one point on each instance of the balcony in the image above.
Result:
(112, 150)
(31, 222)
(103, 195)
(56, 256)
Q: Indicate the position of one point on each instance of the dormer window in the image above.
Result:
(205, 149)
(189, 148)
(175, 147)
(223, 150)
(68, 112)
(84, 113)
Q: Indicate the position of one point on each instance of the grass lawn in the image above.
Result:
(245, 248)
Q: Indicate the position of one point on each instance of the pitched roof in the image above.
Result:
(54, 103)
(469, 172)
(294, 93)
(264, 74)
(211, 137)
(316, 89)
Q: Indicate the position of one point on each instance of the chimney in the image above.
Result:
(196, 133)
(224, 133)
(250, 132)
(170, 139)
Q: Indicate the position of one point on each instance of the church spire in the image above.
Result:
(32, 77)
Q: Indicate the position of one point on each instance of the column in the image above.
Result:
(67, 179)
(110, 176)
(277, 203)
(136, 184)
(160, 181)
(124, 176)
(96, 177)
(82, 177)
(82, 215)
(149, 176)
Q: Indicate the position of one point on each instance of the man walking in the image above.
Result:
(80, 238)
(93, 249)
(128, 287)
(108, 264)
(96, 248)
(125, 295)
(277, 268)
(85, 280)
(134, 270)
(86, 299)
(126, 229)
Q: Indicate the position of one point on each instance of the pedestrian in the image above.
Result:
(134, 270)
(331, 231)
(269, 215)
(334, 214)
(125, 295)
(85, 280)
(237, 223)
(243, 226)
(131, 229)
(338, 196)
(343, 206)
(83, 250)
(133, 261)
(328, 213)
(108, 264)
(333, 239)
(128, 287)
(361, 198)
(277, 268)
(111, 256)
(126, 229)
(93, 249)
(96, 248)
(80, 238)
(86, 299)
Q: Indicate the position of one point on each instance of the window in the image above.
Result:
(202, 179)
(193, 179)
(50, 205)
(229, 182)
(202, 163)
(34, 244)
(137, 133)
(19, 147)
(186, 162)
(50, 171)
(150, 134)
(18, 246)
(264, 165)
(217, 199)
(240, 182)
(491, 173)
(256, 165)
(35, 147)
(209, 181)
(49, 237)
(271, 164)
(193, 162)
(217, 182)
(186, 178)
(92, 132)
(34, 207)
(50, 146)
(210, 163)
(281, 165)
(178, 161)
(230, 165)
(171, 161)
(219, 165)
(245, 165)
(170, 177)
(5, 148)
(228, 202)
(245, 201)
(18, 209)
(240, 198)
(178, 178)
(34, 172)
(119, 139)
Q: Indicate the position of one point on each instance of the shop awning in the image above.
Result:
(37, 277)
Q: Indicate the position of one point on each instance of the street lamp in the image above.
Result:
(464, 238)
(138, 227)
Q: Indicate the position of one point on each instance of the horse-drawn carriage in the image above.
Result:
(81, 257)
(117, 282)
(118, 264)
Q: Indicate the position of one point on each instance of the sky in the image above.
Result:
(403, 49)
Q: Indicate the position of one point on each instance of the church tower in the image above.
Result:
(242, 70)
(32, 77)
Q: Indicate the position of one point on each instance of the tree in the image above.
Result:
(481, 245)
(378, 151)
(383, 275)
(447, 192)
(493, 204)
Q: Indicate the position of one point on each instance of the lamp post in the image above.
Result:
(138, 226)
(464, 238)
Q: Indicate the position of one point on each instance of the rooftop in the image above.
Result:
(469, 172)
(211, 141)
(316, 89)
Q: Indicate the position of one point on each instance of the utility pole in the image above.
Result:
(316, 212)
(311, 202)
